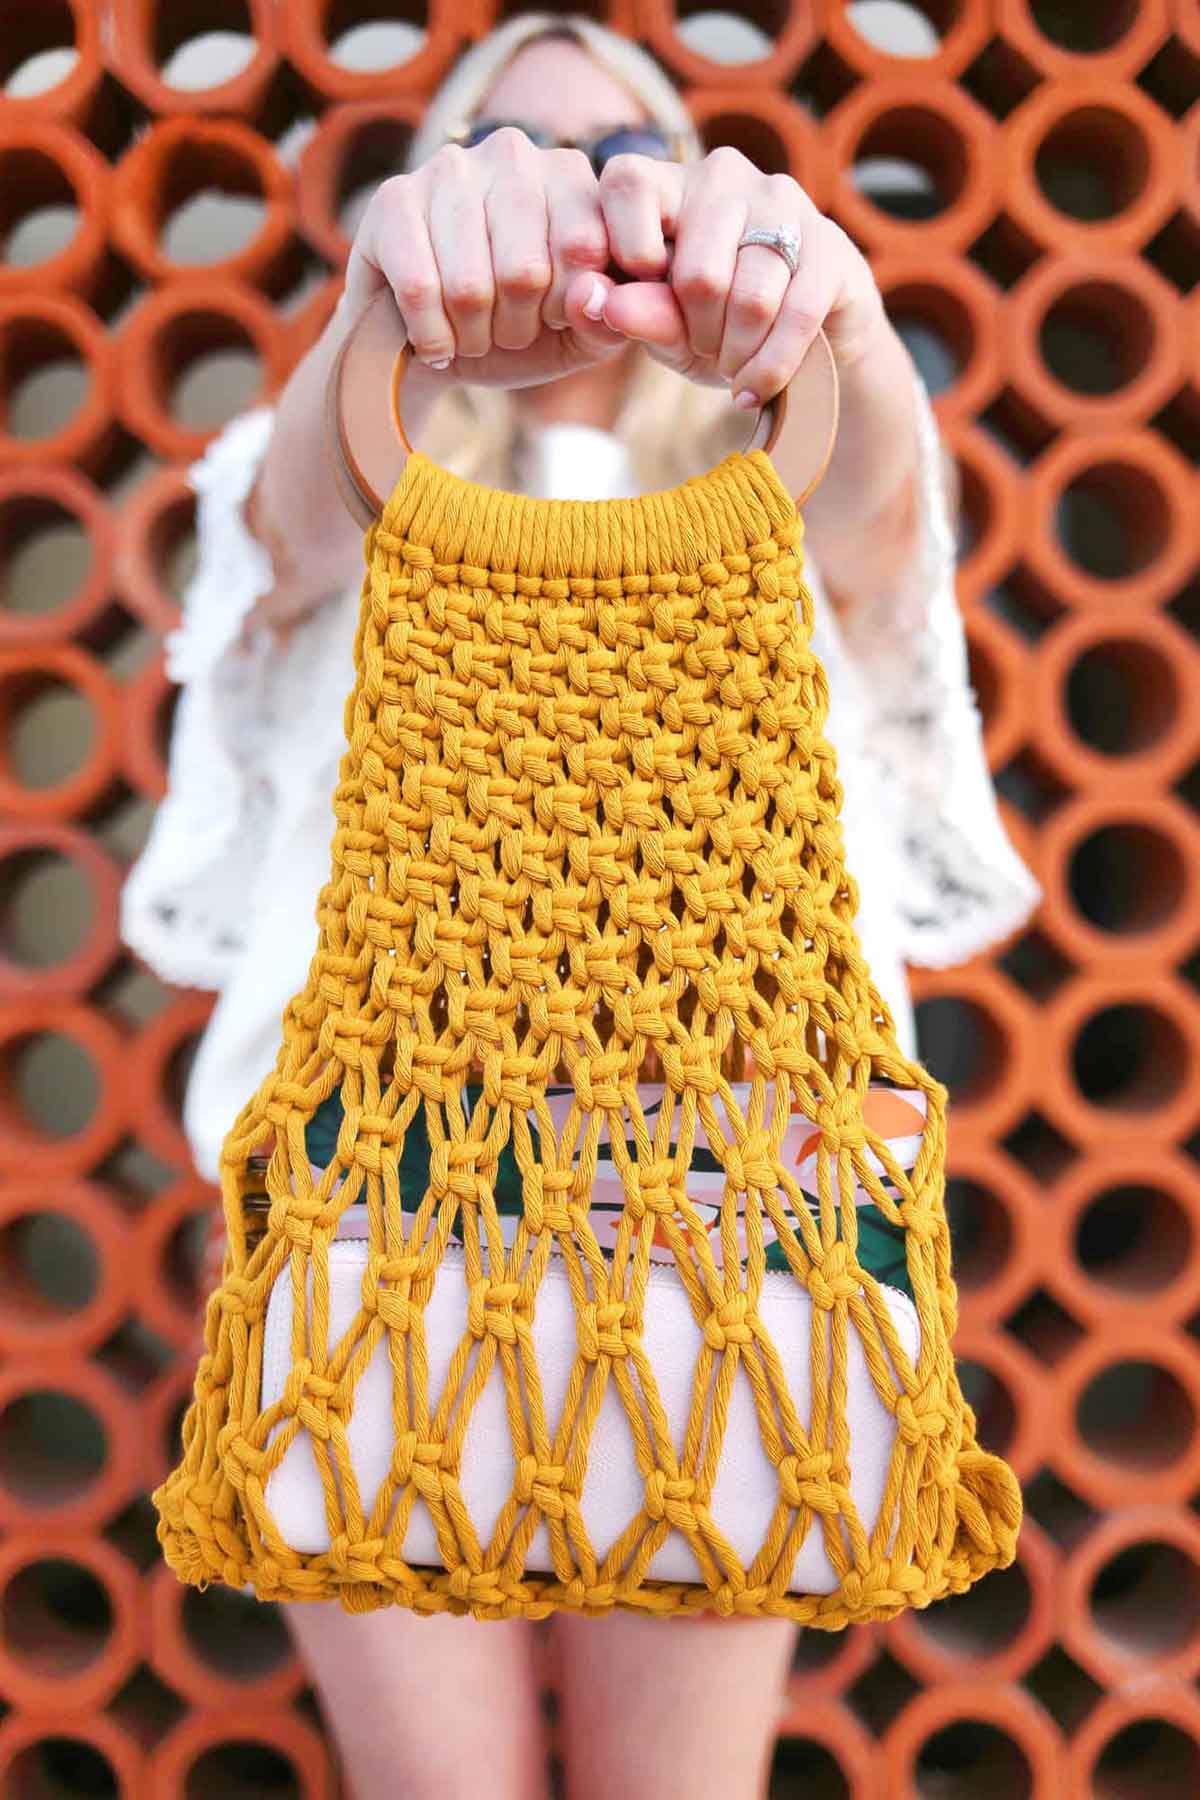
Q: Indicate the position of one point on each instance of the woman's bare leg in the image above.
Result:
(652, 1707)
(439, 1708)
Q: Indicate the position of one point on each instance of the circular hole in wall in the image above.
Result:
(62, 1768)
(803, 1766)
(910, 164)
(755, 138)
(1129, 1058)
(49, 1268)
(1112, 520)
(1133, 1240)
(242, 1770)
(962, 1044)
(937, 330)
(972, 1760)
(233, 1634)
(45, 554)
(50, 1086)
(52, 1447)
(975, 1625)
(51, 730)
(202, 45)
(980, 1233)
(900, 27)
(1148, 1757)
(991, 1402)
(1127, 878)
(211, 205)
(1121, 696)
(37, 47)
(1092, 164)
(206, 369)
(45, 382)
(367, 36)
(1096, 338)
(46, 905)
(1084, 29)
(57, 1617)
(1146, 1599)
(1136, 1415)
(39, 213)
(731, 35)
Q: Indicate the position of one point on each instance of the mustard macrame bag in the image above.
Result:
(566, 1314)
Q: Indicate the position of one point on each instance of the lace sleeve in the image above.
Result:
(247, 710)
(961, 883)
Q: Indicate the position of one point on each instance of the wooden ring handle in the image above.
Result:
(362, 400)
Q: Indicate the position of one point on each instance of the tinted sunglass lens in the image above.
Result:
(484, 128)
(632, 140)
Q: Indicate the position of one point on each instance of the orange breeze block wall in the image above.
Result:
(1029, 192)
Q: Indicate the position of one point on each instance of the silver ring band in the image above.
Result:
(785, 242)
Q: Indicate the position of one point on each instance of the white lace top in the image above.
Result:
(223, 896)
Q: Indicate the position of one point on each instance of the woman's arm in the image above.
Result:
(863, 520)
(295, 507)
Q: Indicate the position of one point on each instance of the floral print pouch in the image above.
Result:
(895, 1114)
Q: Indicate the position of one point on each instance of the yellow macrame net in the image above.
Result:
(587, 828)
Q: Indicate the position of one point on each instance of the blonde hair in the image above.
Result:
(672, 427)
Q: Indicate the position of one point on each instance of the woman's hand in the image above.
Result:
(490, 253)
(718, 314)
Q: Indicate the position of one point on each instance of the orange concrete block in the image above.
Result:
(44, 165)
(180, 157)
(144, 33)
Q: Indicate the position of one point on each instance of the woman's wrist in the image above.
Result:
(865, 498)
(294, 508)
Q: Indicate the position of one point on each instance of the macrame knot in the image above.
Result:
(852, 1590)
(540, 1485)
(649, 1190)
(490, 1311)
(830, 1280)
(751, 1165)
(728, 1323)
(920, 1221)
(919, 1415)
(238, 1457)
(598, 1329)
(306, 1396)
(669, 1497)
(804, 1480)
(239, 1298)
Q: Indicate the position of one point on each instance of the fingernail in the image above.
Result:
(593, 306)
(442, 362)
(745, 398)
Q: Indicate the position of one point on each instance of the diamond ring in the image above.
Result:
(786, 242)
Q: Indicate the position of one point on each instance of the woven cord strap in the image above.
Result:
(587, 831)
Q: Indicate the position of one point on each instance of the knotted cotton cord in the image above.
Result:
(586, 830)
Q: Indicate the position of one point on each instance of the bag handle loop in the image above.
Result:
(362, 400)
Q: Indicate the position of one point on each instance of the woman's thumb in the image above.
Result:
(583, 304)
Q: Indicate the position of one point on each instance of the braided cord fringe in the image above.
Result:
(587, 827)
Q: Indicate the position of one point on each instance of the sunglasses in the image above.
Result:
(622, 140)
